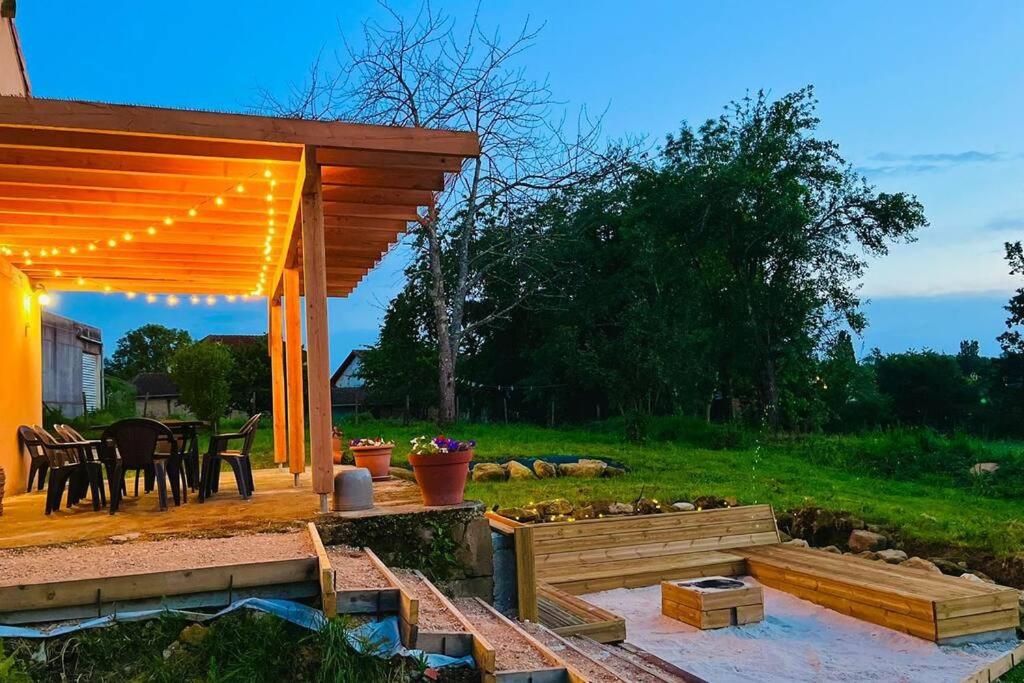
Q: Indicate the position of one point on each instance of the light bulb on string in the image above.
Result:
(92, 246)
(73, 249)
(231, 298)
(130, 295)
(219, 201)
(80, 281)
(172, 300)
(168, 220)
(192, 212)
(106, 289)
(54, 251)
(239, 188)
(193, 299)
(267, 173)
(211, 300)
(151, 230)
(127, 237)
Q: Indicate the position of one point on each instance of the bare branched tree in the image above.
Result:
(427, 73)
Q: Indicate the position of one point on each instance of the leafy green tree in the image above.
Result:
(148, 348)
(250, 379)
(1012, 340)
(926, 389)
(203, 375)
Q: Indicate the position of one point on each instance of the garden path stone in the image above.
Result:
(892, 556)
(861, 540)
(921, 563)
(544, 470)
(683, 506)
(518, 471)
(488, 471)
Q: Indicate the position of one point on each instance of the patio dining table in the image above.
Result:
(189, 432)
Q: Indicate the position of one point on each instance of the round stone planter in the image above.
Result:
(377, 459)
(441, 476)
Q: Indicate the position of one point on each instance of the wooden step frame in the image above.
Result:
(591, 621)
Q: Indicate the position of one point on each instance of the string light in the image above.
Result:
(111, 243)
(73, 249)
(106, 289)
(151, 298)
(57, 273)
(130, 295)
(172, 300)
(219, 201)
(239, 188)
(92, 246)
(80, 281)
(194, 299)
(127, 237)
(192, 212)
(151, 230)
(211, 300)
(168, 220)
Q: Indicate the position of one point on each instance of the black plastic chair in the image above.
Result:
(67, 468)
(93, 449)
(136, 441)
(239, 460)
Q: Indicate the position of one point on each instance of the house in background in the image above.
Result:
(348, 390)
(72, 365)
(156, 395)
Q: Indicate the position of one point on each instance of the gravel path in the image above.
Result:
(513, 652)
(353, 569)
(434, 616)
(586, 666)
(45, 565)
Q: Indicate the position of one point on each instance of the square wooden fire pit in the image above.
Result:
(712, 601)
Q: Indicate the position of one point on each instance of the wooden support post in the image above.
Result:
(293, 350)
(275, 348)
(318, 370)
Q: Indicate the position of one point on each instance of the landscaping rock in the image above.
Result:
(819, 526)
(730, 501)
(867, 555)
(832, 549)
(584, 512)
(683, 506)
(947, 566)
(620, 509)
(519, 514)
(193, 634)
(402, 473)
(647, 506)
(893, 556)
(861, 540)
(921, 563)
(709, 502)
(518, 471)
(610, 471)
(558, 506)
(972, 577)
(981, 575)
(984, 468)
(488, 471)
(798, 543)
(544, 469)
(589, 469)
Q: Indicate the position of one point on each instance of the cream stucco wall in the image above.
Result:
(21, 372)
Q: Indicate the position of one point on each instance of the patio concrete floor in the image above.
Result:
(276, 505)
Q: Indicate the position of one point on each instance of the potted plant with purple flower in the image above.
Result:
(374, 455)
(441, 466)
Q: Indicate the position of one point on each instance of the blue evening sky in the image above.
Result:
(924, 97)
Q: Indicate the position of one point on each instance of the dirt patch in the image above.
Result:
(434, 616)
(44, 565)
(354, 570)
(593, 671)
(513, 652)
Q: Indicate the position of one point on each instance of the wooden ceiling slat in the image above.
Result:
(236, 170)
(395, 211)
(148, 286)
(248, 202)
(187, 271)
(128, 181)
(69, 140)
(363, 223)
(200, 241)
(382, 178)
(192, 225)
(136, 213)
(369, 195)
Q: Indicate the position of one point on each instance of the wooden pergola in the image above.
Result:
(151, 202)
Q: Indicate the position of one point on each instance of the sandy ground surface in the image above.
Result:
(797, 641)
(512, 652)
(354, 570)
(434, 617)
(43, 565)
(594, 672)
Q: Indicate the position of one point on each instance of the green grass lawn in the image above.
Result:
(929, 508)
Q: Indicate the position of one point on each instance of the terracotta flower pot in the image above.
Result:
(336, 451)
(442, 476)
(377, 459)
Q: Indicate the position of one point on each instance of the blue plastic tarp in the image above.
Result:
(376, 638)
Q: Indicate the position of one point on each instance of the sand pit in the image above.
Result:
(434, 616)
(354, 570)
(45, 565)
(797, 641)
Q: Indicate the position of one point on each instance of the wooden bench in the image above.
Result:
(915, 601)
(600, 554)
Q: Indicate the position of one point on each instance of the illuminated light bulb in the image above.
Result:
(57, 273)
(44, 299)
(270, 211)
(25, 253)
(80, 281)
(267, 258)
(106, 289)
(231, 298)
(192, 212)
(172, 300)
(264, 267)
(130, 295)
(151, 298)
(271, 231)
(151, 230)
(219, 201)
(239, 187)
(270, 222)
(111, 243)
(92, 247)
(266, 250)
(273, 184)
(28, 262)
(73, 250)
(43, 252)
(245, 297)
(127, 237)
(267, 173)
(55, 251)
(168, 220)
(269, 197)
(211, 300)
